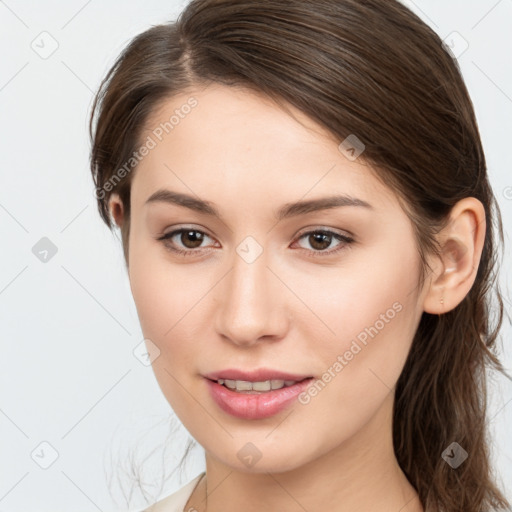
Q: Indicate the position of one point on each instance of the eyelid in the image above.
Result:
(175, 231)
(346, 238)
(300, 233)
(327, 229)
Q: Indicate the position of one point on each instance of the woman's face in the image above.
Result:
(257, 290)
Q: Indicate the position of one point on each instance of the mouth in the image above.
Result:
(257, 387)
(258, 399)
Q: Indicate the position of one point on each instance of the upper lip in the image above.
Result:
(259, 375)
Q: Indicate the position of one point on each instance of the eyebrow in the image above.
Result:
(286, 211)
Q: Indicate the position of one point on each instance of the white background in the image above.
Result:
(68, 327)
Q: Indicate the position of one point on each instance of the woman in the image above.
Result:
(309, 234)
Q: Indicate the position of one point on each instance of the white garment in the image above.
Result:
(176, 501)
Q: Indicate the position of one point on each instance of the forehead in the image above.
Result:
(234, 142)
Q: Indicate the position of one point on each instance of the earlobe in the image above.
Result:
(461, 244)
(115, 206)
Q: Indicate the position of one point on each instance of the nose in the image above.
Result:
(251, 304)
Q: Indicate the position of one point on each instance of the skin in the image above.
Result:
(294, 308)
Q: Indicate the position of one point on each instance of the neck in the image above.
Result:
(360, 474)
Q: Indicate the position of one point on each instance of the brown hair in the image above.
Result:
(374, 69)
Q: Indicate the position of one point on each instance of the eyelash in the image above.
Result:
(189, 252)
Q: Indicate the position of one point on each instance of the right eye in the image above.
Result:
(190, 238)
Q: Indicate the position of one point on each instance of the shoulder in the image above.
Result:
(176, 501)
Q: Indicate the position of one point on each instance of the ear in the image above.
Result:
(455, 270)
(115, 206)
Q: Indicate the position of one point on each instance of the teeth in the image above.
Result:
(262, 386)
(245, 385)
(277, 384)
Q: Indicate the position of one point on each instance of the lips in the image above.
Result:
(250, 405)
(259, 375)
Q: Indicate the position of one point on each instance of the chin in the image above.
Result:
(257, 458)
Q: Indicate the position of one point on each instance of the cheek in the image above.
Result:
(362, 361)
(150, 300)
(165, 297)
(368, 319)
(162, 292)
(366, 298)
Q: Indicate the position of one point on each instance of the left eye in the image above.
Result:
(192, 239)
(321, 239)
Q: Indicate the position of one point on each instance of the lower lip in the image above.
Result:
(255, 406)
